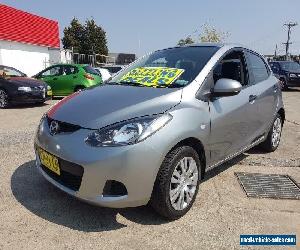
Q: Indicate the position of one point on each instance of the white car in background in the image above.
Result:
(104, 73)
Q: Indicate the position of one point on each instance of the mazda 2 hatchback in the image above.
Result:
(66, 79)
(151, 133)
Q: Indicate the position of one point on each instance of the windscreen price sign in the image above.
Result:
(153, 76)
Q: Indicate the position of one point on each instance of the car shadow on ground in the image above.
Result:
(223, 167)
(46, 201)
(28, 105)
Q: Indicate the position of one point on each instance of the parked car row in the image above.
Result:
(56, 80)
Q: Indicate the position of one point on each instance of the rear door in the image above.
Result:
(266, 88)
(233, 118)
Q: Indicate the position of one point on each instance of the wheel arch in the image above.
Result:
(281, 112)
(197, 145)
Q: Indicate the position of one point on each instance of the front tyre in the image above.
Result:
(3, 99)
(177, 183)
(274, 135)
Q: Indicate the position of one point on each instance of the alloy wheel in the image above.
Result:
(183, 183)
(276, 132)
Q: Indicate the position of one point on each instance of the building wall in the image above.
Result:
(30, 59)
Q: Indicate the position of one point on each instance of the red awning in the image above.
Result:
(20, 26)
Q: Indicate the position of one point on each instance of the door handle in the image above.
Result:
(252, 98)
(74, 77)
(55, 78)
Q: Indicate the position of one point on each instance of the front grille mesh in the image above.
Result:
(64, 127)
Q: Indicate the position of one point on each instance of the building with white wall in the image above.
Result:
(27, 42)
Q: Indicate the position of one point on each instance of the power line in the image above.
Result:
(290, 25)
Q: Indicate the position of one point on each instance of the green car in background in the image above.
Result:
(66, 79)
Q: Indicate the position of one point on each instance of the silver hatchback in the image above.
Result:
(151, 132)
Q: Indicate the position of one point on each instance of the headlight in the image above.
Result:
(48, 87)
(128, 132)
(293, 75)
(25, 89)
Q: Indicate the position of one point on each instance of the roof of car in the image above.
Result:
(218, 45)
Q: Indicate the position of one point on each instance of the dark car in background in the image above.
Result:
(288, 72)
(17, 88)
(66, 79)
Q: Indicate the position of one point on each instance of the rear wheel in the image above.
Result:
(177, 183)
(4, 103)
(79, 88)
(274, 135)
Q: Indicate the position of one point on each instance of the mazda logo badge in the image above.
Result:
(54, 128)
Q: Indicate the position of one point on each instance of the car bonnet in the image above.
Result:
(98, 107)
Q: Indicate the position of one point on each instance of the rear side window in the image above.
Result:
(90, 70)
(69, 70)
(257, 68)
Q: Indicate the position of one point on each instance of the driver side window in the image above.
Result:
(54, 71)
(232, 66)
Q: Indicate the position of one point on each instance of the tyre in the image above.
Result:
(177, 183)
(4, 103)
(284, 85)
(274, 135)
(41, 102)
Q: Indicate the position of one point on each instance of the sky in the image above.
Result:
(140, 27)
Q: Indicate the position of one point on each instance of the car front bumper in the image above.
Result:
(30, 97)
(135, 166)
(294, 82)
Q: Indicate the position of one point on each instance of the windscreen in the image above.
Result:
(175, 67)
(290, 66)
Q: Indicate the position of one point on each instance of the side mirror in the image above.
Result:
(226, 87)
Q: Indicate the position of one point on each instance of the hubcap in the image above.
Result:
(276, 133)
(183, 183)
(2, 98)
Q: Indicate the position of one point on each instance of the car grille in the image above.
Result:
(64, 127)
(38, 88)
(70, 174)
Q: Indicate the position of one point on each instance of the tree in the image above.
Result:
(212, 35)
(73, 36)
(85, 39)
(208, 34)
(185, 41)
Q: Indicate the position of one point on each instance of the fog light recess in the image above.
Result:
(114, 188)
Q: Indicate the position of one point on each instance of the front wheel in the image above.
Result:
(3, 99)
(283, 84)
(274, 135)
(177, 183)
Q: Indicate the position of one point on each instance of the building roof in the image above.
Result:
(20, 26)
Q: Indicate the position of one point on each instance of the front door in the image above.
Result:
(233, 118)
(51, 76)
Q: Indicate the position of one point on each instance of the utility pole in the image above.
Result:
(287, 44)
(275, 53)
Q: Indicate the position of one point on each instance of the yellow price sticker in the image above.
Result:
(152, 76)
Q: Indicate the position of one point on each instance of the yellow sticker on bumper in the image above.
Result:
(152, 76)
